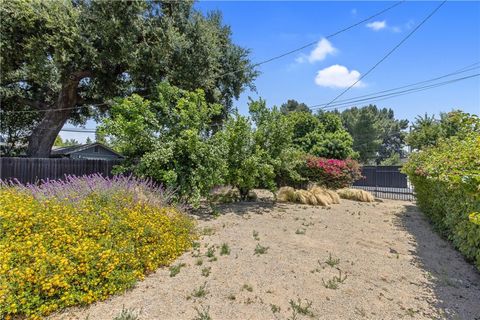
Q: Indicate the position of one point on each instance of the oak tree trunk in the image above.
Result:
(43, 136)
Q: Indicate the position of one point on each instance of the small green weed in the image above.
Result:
(335, 281)
(211, 252)
(174, 270)
(199, 262)
(255, 235)
(203, 314)
(206, 271)
(331, 261)
(224, 249)
(300, 231)
(274, 308)
(299, 308)
(200, 292)
(247, 287)
(208, 231)
(259, 249)
(127, 314)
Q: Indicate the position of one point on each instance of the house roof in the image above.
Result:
(77, 148)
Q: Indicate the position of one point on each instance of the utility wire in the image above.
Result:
(258, 63)
(374, 95)
(316, 41)
(456, 72)
(82, 130)
(395, 94)
(389, 53)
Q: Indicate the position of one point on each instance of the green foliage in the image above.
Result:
(377, 135)
(274, 134)
(72, 55)
(15, 128)
(247, 164)
(294, 106)
(168, 138)
(427, 131)
(447, 186)
(393, 160)
(322, 135)
(68, 142)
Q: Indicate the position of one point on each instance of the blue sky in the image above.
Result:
(447, 42)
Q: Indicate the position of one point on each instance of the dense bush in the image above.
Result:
(172, 137)
(169, 139)
(75, 242)
(447, 186)
(331, 173)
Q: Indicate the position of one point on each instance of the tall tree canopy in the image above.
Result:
(377, 135)
(294, 106)
(60, 58)
(427, 131)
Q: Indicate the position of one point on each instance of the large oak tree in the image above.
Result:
(65, 60)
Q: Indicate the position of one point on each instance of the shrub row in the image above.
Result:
(75, 242)
(446, 179)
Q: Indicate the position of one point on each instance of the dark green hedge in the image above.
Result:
(446, 179)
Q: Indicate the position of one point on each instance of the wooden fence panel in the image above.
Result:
(32, 170)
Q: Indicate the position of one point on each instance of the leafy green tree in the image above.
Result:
(59, 142)
(294, 106)
(274, 134)
(248, 164)
(322, 135)
(88, 140)
(427, 131)
(169, 139)
(15, 127)
(66, 60)
(377, 135)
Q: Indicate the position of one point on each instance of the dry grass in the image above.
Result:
(286, 194)
(356, 194)
(313, 196)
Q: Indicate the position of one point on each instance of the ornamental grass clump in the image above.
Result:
(79, 241)
(356, 195)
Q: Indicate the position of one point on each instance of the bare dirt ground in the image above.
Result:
(396, 267)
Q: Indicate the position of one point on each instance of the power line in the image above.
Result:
(80, 130)
(389, 53)
(396, 94)
(316, 41)
(373, 94)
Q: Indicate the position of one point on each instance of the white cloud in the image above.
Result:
(377, 25)
(338, 76)
(323, 48)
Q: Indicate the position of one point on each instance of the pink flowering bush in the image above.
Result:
(331, 173)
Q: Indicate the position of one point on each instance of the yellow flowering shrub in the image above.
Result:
(55, 253)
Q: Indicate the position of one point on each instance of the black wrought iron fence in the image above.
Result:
(386, 182)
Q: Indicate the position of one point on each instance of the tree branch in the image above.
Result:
(34, 103)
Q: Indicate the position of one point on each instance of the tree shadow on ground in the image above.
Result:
(241, 208)
(454, 282)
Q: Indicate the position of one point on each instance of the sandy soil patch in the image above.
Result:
(396, 267)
